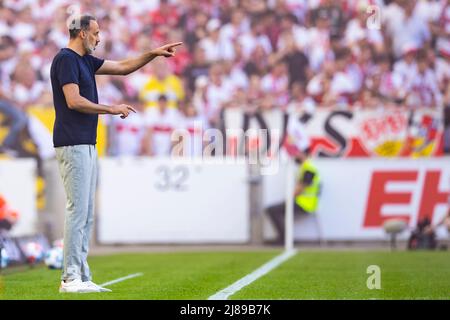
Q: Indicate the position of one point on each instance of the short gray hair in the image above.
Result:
(80, 23)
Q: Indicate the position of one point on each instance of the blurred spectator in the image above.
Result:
(356, 31)
(423, 89)
(8, 61)
(307, 184)
(300, 102)
(110, 93)
(447, 120)
(445, 221)
(440, 25)
(18, 122)
(254, 7)
(406, 68)
(271, 26)
(198, 67)
(382, 83)
(442, 68)
(343, 86)
(296, 61)
(199, 99)
(125, 136)
(234, 74)
(160, 122)
(369, 99)
(319, 85)
(319, 41)
(218, 93)
(8, 108)
(198, 31)
(183, 57)
(26, 89)
(8, 216)
(165, 15)
(333, 12)
(238, 25)
(423, 237)
(239, 48)
(216, 48)
(250, 40)
(162, 82)
(404, 25)
(195, 125)
(276, 83)
(290, 25)
(259, 63)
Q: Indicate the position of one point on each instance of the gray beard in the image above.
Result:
(88, 49)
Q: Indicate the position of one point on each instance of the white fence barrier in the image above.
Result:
(148, 200)
(18, 187)
(360, 194)
(157, 200)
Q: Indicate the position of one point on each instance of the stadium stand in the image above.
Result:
(266, 48)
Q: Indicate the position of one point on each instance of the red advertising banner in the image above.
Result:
(359, 133)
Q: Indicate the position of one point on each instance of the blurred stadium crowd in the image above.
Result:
(251, 54)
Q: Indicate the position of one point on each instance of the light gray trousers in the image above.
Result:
(78, 169)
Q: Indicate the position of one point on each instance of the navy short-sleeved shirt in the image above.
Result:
(73, 127)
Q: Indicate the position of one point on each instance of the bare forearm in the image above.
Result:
(298, 189)
(127, 66)
(132, 64)
(85, 106)
(5, 98)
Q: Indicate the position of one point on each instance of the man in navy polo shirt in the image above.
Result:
(75, 134)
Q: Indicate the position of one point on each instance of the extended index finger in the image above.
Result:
(132, 109)
(175, 44)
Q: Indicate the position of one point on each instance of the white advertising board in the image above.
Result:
(18, 187)
(159, 200)
(359, 195)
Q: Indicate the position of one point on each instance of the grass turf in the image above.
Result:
(343, 275)
(198, 275)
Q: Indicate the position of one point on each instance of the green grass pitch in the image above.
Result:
(198, 275)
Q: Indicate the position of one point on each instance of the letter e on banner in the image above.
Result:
(378, 196)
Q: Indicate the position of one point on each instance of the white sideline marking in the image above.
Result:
(134, 275)
(266, 268)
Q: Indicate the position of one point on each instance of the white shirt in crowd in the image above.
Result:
(314, 86)
(405, 30)
(24, 95)
(278, 87)
(307, 105)
(217, 50)
(301, 37)
(249, 42)
(162, 125)
(126, 134)
(356, 32)
(424, 91)
(442, 70)
(230, 32)
(405, 72)
(443, 42)
(297, 138)
(216, 97)
(237, 77)
(45, 9)
(319, 47)
(342, 84)
(391, 85)
(430, 10)
(195, 126)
